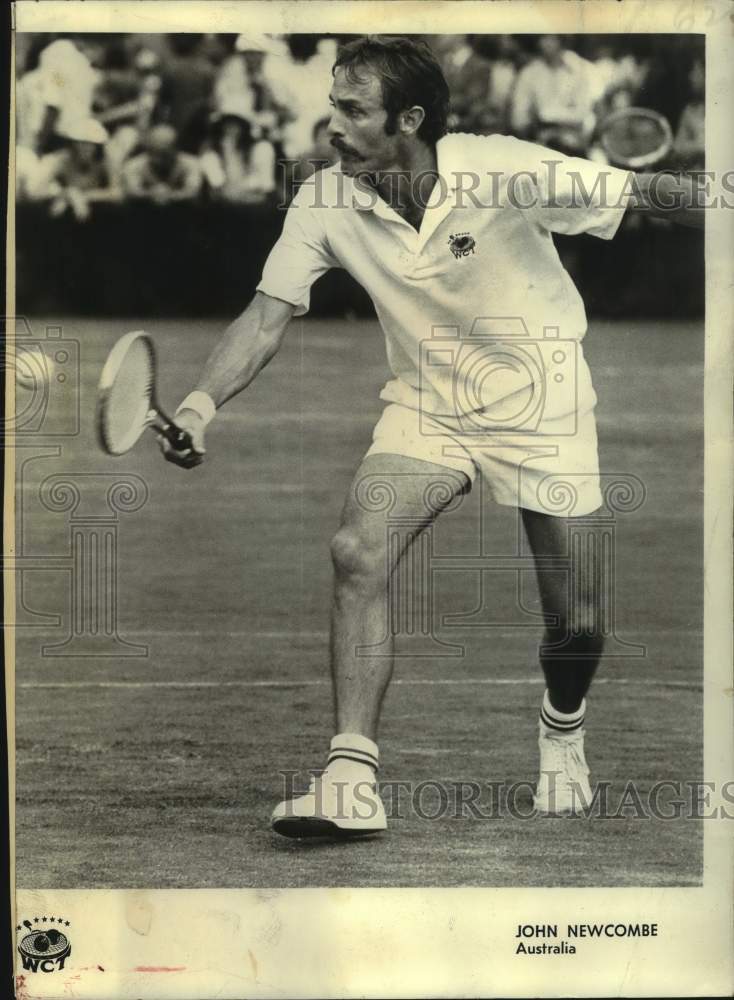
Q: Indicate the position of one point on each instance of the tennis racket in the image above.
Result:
(635, 138)
(126, 398)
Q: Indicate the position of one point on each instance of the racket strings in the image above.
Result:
(635, 137)
(128, 397)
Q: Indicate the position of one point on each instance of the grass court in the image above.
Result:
(162, 770)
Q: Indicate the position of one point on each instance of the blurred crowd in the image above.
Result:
(238, 118)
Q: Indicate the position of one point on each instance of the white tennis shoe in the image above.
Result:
(331, 809)
(563, 785)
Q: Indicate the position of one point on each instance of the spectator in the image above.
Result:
(27, 174)
(302, 84)
(321, 153)
(689, 147)
(74, 176)
(126, 102)
(502, 81)
(616, 77)
(119, 86)
(453, 52)
(502, 52)
(59, 90)
(243, 86)
(237, 167)
(481, 72)
(554, 98)
(471, 73)
(187, 83)
(36, 101)
(162, 173)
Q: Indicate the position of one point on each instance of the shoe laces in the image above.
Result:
(566, 754)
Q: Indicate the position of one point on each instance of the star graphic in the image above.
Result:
(36, 919)
(19, 928)
(43, 920)
(67, 923)
(52, 919)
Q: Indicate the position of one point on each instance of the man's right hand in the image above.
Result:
(187, 420)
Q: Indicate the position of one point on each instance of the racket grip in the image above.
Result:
(177, 437)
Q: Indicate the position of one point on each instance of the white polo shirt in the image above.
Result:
(482, 265)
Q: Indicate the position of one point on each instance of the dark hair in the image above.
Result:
(36, 45)
(409, 74)
(302, 47)
(184, 44)
(116, 56)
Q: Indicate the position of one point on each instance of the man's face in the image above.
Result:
(85, 152)
(93, 50)
(357, 125)
(549, 46)
(254, 62)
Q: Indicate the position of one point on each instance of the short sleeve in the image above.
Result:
(570, 195)
(299, 258)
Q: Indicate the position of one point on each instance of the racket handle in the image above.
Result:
(176, 436)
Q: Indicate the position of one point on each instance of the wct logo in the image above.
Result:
(44, 948)
(461, 244)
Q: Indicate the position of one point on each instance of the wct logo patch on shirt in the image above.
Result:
(461, 244)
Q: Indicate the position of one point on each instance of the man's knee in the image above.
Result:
(357, 558)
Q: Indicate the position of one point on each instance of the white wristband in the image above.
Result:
(202, 403)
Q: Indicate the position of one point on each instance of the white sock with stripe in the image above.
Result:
(352, 757)
(561, 722)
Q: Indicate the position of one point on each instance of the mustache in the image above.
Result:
(342, 148)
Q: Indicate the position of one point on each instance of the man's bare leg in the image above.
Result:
(385, 488)
(570, 597)
(569, 655)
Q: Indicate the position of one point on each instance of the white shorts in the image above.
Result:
(553, 468)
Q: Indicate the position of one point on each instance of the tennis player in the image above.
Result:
(451, 235)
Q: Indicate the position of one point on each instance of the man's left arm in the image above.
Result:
(667, 196)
